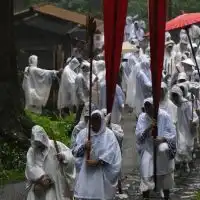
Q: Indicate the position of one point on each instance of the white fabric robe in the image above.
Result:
(131, 86)
(165, 165)
(117, 104)
(170, 108)
(37, 85)
(143, 88)
(66, 93)
(46, 163)
(185, 137)
(98, 182)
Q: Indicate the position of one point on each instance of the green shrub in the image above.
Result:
(13, 157)
(197, 196)
(57, 128)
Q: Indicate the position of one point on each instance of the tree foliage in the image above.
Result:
(135, 6)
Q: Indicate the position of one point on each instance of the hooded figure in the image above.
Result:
(143, 84)
(166, 104)
(166, 149)
(187, 123)
(98, 176)
(49, 178)
(169, 57)
(194, 33)
(137, 32)
(82, 89)
(128, 28)
(66, 93)
(37, 84)
(118, 104)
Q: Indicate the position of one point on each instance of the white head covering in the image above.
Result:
(184, 39)
(33, 61)
(177, 90)
(39, 135)
(129, 20)
(167, 36)
(184, 87)
(103, 122)
(73, 64)
(148, 100)
(195, 75)
(182, 76)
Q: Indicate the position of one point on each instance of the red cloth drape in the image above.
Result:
(157, 20)
(114, 22)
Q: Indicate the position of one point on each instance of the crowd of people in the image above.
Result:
(91, 169)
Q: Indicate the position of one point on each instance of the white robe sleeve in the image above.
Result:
(32, 172)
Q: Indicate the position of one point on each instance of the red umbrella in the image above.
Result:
(183, 21)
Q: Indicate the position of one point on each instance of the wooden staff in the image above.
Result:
(70, 193)
(91, 29)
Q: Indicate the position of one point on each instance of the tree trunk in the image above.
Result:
(11, 110)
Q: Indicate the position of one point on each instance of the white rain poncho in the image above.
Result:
(101, 71)
(137, 33)
(98, 182)
(167, 105)
(131, 86)
(36, 85)
(169, 58)
(143, 85)
(118, 103)
(165, 154)
(128, 28)
(66, 93)
(82, 84)
(45, 163)
(82, 124)
(194, 33)
(185, 133)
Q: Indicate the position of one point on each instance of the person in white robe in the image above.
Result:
(50, 174)
(128, 28)
(37, 84)
(166, 149)
(188, 66)
(66, 93)
(182, 47)
(194, 32)
(137, 32)
(82, 83)
(82, 124)
(131, 86)
(187, 123)
(143, 85)
(98, 177)
(118, 105)
(166, 103)
(169, 58)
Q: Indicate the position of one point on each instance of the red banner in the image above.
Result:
(114, 22)
(157, 20)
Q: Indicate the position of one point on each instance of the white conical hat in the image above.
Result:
(188, 61)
